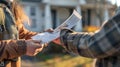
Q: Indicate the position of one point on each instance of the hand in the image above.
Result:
(33, 47)
(57, 41)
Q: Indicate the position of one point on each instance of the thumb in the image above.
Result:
(37, 46)
(36, 41)
(49, 30)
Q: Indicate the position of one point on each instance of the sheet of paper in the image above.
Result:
(69, 23)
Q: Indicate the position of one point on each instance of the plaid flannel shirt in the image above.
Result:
(103, 44)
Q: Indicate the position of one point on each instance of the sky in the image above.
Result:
(115, 1)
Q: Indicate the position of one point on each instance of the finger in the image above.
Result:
(46, 44)
(39, 50)
(57, 38)
(57, 41)
(35, 53)
(36, 45)
(64, 28)
(36, 41)
(39, 46)
(49, 30)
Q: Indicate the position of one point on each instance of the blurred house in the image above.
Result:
(46, 14)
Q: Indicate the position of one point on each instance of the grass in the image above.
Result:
(68, 61)
(60, 61)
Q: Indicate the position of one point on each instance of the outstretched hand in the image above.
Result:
(57, 40)
(33, 47)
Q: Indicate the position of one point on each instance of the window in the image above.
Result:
(54, 19)
(33, 23)
(33, 11)
(86, 17)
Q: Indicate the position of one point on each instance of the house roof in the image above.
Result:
(31, 0)
(98, 1)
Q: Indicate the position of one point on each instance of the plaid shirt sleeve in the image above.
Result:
(100, 44)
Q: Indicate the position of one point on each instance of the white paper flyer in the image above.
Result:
(46, 37)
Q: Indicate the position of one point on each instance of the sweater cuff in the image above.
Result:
(22, 47)
(63, 37)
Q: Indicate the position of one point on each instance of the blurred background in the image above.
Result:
(45, 14)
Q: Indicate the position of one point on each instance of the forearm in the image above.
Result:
(93, 45)
(77, 43)
(102, 43)
(10, 49)
(24, 33)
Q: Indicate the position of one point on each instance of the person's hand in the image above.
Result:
(33, 47)
(58, 42)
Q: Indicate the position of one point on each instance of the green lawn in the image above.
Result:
(59, 61)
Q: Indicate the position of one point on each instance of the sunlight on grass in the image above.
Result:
(91, 28)
(68, 61)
